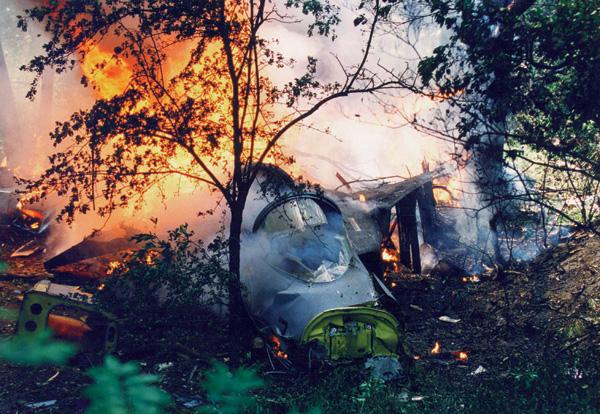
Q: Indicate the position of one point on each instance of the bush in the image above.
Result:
(168, 292)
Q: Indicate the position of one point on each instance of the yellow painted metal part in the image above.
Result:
(354, 332)
(37, 306)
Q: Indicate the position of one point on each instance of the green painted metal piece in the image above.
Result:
(39, 302)
(354, 332)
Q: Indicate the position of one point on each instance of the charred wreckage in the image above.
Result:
(316, 267)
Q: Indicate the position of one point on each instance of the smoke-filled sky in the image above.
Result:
(366, 140)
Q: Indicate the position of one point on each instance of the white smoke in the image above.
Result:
(367, 136)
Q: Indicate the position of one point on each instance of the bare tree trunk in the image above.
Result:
(237, 312)
(10, 132)
(494, 186)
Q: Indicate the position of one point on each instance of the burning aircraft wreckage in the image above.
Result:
(316, 267)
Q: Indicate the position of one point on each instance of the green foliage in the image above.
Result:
(525, 378)
(369, 389)
(167, 289)
(8, 314)
(551, 386)
(536, 64)
(326, 15)
(3, 266)
(527, 74)
(120, 388)
(38, 349)
(315, 410)
(574, 329)
(229, 392)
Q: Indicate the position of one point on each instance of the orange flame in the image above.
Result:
(27, 212)
(151, 258)
(446, 191)
(460, 355)
(32, 218)
(108, 74)
(389, 255)
(471, 279)
(276, 344)
(437, 348)
(112, 267)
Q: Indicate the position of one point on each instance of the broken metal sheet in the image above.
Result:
(65, 291)
(384, 368)
(287, 304)
(91, 257)
(28, 249)
(41, 404)
(94, 268)
(448, 319)
(480, 370)
(362, 228)
(387, 196)
(33, 220)
(70, 313)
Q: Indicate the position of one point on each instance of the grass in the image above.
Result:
(568, 386)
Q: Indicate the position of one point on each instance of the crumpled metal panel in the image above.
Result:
(287, 304)
(363, 230)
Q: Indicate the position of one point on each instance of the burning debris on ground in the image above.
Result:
(451, 318)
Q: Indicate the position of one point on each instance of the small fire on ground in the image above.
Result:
(437, 353)
(391, 259)
(276, 346)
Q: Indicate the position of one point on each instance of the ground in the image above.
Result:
(531, 334)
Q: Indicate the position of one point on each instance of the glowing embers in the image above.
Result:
(276, 348)
(471, 279)
(113, 267)
(461, 355)
(116, 267)
(436, 353)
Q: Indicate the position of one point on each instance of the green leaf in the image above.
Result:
(230, 392)
(38, 349)
(120, 388)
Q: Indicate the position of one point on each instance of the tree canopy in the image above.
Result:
(524, 70)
